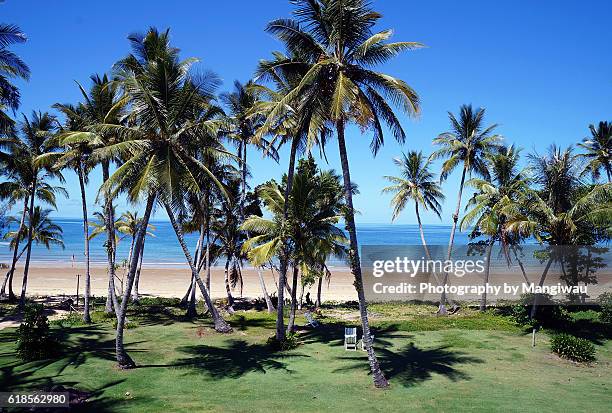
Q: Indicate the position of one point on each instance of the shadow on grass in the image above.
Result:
(232, 361)
(412, 365)
(333, 334)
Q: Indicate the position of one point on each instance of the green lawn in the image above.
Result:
(460, 363)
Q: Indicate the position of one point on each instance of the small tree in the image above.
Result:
(34, 341)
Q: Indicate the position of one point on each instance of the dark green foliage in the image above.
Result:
(605, 301)
(573, 348)
(291, 341)
(548, 313)
(34, 340)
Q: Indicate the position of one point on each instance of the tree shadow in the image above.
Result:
(20, 381)
(411, 365)
(333, 334)
(233, 361)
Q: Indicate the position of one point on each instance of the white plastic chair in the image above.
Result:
(350, 338)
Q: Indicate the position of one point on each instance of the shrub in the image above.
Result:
(548, 313)
(605, 301)
(291, 341)
(573, 348)
(34, 340)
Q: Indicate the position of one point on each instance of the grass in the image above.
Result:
(466, 362)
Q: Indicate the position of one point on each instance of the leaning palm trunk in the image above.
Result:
(264, 290)
(483, 298)
(443, 299)
(123, 359)
(26, 269)
(220, 324)
(9, 274)
(86, 316)
(319, 288)
(377, 374)
(135, 293)
(284, 256)
(228, 291)
(191, 306)
(291, 323)
(112, 303)
(536, 299)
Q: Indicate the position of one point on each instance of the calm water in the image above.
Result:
(164, 250)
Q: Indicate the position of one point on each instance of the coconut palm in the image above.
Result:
(598, 148)
(466, 146)
(334, 41)
(416, 184)
(315, 206)
(11, 67)
(562, 211)
(75, 156)
(15, 189)
(159, 166)
(485, 207)
(37, 139)
(43, 230)
(127, 225)
(296, 124)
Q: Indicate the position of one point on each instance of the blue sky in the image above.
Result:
(542, 69)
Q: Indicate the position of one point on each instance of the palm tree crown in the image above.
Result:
(598, 149)
(416, 183)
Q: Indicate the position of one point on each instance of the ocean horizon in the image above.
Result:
(163, 250)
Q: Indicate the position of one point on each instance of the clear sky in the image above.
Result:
(542, 69)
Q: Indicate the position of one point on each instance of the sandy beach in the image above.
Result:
(170, 282)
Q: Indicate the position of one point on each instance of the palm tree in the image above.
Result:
(485, 207)
(416, 184)
(315, 206)
(598, 149)
(128, 224)
(466, 145)
(295, 123)
(563, 211)
(37, 139)
(11, 67)
(159, 165)
(75, 156)
(16, 189)
(43, 230)
(334, 42)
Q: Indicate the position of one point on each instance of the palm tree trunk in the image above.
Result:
(244, 179)
(422, 233)
(191, 303)
(483, 299)
(26, 269)
(220, 324)
(319, 288)
(123, 359)
(86, 316)
(208, 240)
(135, 293)
(442, 308)
(536, 299)
(228, 291)
(377, 374)
(112, 304)
(264, 290)
(9, 274)
(284, 257)
(291, 323)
